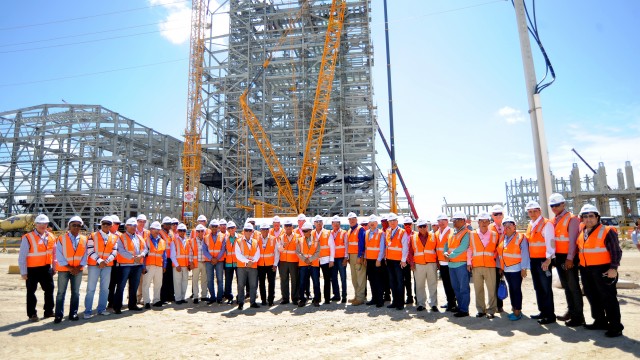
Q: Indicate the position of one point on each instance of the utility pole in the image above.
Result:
(535, 111)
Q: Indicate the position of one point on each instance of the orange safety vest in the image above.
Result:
(323, 239)
(561, 230)
(424, 254)
(352, 238)
(494, 228)
(194, 251)
(182, 252)
(394, 244)
(103, 250)
(230, 256)
(510, 254)
(308, 252)
(145, 234)
(73, 256)
(288, 254)
(372, 245)
(127, 241)
(268, 251)
(593, 251)
(215, 247)
(248, 253)
(154, 257)
(454, 242)
(272, 232)
(40, 253)
(537, 246)
(168, 238)
(338, 240)
(482, 256)
(440, 243)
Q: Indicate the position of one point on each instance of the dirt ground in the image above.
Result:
(331, 331)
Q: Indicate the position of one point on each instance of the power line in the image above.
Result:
(93, 73)
(90, 16)
(444, 11)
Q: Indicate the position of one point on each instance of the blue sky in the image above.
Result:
(460, 106)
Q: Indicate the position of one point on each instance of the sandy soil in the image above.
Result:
(331, 331)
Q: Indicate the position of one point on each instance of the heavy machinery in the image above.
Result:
(17, 225)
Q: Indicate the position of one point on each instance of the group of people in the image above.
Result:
(378, 250)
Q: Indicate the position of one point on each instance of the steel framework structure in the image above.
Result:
(64, 160)
(282, 98)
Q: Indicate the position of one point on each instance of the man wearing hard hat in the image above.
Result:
(102, 250)
(455, 251)
(131, 252)
(497, 214)
(35, 261)
(197, 264)
(71, 258)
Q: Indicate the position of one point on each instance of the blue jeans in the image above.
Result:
(218, 269)
(105, 277)
(129, 274)
(460, 283)
(314, 273)
(64, 278)
(338, 267)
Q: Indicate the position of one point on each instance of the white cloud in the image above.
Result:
(177, 25)
(511, 115)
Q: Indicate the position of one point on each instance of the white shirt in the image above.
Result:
(549, 235)
(332, 247)
(241, 257)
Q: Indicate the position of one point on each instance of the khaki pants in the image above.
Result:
(426, 273)
(358, 276)
(180, 282)
(482, 276)
(153, 275)
(199, 273)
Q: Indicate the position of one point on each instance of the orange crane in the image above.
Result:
(306, 181)
(192, 153)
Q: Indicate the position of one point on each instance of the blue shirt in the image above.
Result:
(361, 240)
(462, 248)
(205, 248)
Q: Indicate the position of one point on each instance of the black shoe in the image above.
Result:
(565, 317)
(219, 302)
(400, 307)
(490, 316)
(33, 318)
(391, 306)
(434, 309)
(344, 300)
(409, 301)
(574, 323)
(613, 333)
(195, 301)
(230, 301)
(48, 315)
(117, 311)
(255, 306)
(263, 303)
(461, 314)
(147, 306)
(453, 309)
(158, 304)
(57, 320)
(335, 298)
(210, 302)
(596, 326)
(500, 310)
(369, 303)
(135, 308)
(270, 303)
(536, 317)
(420, 308)
(481, 314)
(240, 306)
(544, 321)
(301, 303)
(284, 302)
(327, 302)
(204, 299)
(380, 305)
(74, 317)
(316, 303)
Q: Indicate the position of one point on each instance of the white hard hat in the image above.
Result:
(384, 218)
(373, 219)
(115, 219)
(213, 222)
(251, 220)
(318, 218)
(556, 199)
(166, 220)
(264, 226)
(200, 227)
(287, 222)
(155, 226)
(231, 224)
(307, 226)
(483, 215)
(42, 219)
(459, 215)
(531, 205)
(141, 217)
(106, 219)
(202, 218)
(248, 226)
(408, 220)
(175, 221)
(222, 222)
(588, 208)
(302, 217)
(276, 219)
(508, 219)
(76, 219)
(352, 215)
(496, 209)
(335, 218)
(392, 216)
(442, 216)
(422, 222)
(363, 220)
(131, 222)
(182, 226)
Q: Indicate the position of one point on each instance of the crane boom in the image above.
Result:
(192, 153)
(307, 178)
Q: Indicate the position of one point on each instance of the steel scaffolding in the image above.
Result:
(282, 98)
(64, 160)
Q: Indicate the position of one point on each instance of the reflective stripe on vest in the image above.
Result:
(454, 242)
(483, 256)
(40, 253)
(307, 252)
(510, 254)
(154, 257)
(215, 247)
(440, 243)
(338, 240)
(182, 252)
(73, 256)
(230, 256)
(248, 253)
(372, 245)
(288, 253)
(561, 231)
(323, 240)
(394, 244)
(99, 247)
(267, 253)
(537, 246)
(424, 254)
(593, 250)
(127, 241)
(352, 237)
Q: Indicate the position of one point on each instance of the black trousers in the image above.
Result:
(39, 275)
(326, 282)
(448, 288)
(542, 286)
(406, 281)
(228, 282)
(396, 282)
(375, 276)
(499, 303)
(384, 281)
(166, 291)
(115, 276)
(571, 284)
(602, 296)
(266, 273)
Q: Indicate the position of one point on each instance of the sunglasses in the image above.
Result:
(106, 223)
(497, 214)
(306, 230)
(288, 225)
(247, 230)
(75, 225)
(588, 216)
(182, 230)
(422, 226)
